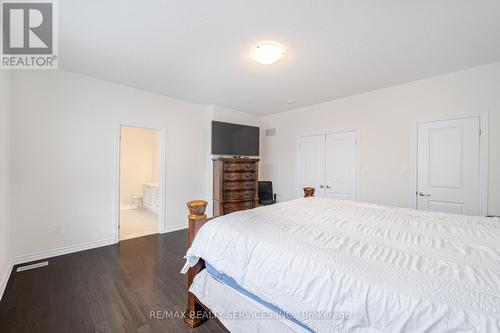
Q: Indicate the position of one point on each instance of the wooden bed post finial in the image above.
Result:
(309, 192)
(195, 314)
(197, 209)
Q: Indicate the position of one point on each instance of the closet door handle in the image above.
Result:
(321, 186)
(328, 186)
(423, 194)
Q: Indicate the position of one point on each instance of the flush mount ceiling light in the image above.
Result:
(267, 52)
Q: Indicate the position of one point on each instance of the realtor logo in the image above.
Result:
(28, 35)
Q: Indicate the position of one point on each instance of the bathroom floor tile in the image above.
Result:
(137, 222)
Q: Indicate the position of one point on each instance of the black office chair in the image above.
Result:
(266, 195)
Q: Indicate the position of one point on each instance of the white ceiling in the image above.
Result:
(197, 50)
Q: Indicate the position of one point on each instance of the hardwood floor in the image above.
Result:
(109, 289)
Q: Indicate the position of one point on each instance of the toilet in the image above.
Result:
(138, 199)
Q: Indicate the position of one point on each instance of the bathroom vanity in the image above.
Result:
(151, 200)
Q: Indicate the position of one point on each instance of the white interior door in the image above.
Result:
(340, 162)
(449, 166)
(312, 163)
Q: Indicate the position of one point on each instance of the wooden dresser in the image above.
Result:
(236, 184)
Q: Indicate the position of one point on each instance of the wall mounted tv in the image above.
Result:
(234, 139)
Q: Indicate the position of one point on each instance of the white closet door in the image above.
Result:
(340, 158)
(312, 163)
(448, 166)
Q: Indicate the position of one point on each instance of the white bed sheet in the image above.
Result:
(392, 269)
(237, 312)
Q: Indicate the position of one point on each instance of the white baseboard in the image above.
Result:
(5, 278)
(176, 227)
(61, 251)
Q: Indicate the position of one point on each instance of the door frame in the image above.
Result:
(483, 156)
(357, 171)
(162, 215)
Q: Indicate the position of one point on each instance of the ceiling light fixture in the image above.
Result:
(291, 101)
(267, 52)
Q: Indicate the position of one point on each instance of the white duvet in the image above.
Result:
(341, 266)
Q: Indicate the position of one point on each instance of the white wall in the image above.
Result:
(219, 113)
(156, 162)
(139, 161)
(5, 221)
(386, 118)
(63, 156)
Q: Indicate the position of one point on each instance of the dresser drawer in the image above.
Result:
(239, 175)
(230, 207)
(239, 195)
(239, 186)
(230, 167)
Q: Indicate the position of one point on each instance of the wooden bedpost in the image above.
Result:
(309, 192)
(195, 313)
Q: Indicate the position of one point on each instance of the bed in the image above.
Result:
(325, 265)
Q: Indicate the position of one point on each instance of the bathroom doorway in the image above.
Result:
(140, 182)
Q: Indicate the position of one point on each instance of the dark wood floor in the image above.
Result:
(109, 289)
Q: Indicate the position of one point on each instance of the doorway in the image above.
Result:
(140, 195)
(330, 162)
(450, 166)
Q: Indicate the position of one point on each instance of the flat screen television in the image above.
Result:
(234, 139)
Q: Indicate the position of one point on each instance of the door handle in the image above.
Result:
(321, 186)
(328, 186)
(423, 194)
